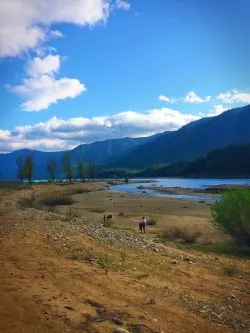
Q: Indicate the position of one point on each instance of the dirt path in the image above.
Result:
(56, 278)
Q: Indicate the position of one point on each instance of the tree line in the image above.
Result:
(70, 170)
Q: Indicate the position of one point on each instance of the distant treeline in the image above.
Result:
(233, 161)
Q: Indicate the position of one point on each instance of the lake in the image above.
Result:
(197, 183)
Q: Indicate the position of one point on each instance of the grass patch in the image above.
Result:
(58, 200)
(226, 249)
(70, 214)
(29, 203)
(80, 191)
(13, 186)
(103, 261)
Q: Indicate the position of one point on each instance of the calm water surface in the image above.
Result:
(200, 183)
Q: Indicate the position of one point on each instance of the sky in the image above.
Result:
(79, 71)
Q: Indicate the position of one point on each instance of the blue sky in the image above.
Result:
(79, 71)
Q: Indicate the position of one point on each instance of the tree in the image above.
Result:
(20, 168)
(29, 167)
(92, 170)
(232, 213)
(67, 167)
(51, 169)
(81, 170)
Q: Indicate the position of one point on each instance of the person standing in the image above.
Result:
(142, 225)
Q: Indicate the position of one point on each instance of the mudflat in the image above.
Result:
(62, 270)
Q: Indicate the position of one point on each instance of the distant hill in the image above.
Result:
(193, 140)
(232, 161)
(188, 143)
(99, 152)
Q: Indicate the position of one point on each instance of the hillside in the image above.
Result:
(193, 140)
(232, 161)
(98, 152)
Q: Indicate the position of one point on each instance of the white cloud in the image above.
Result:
(167, 99)
(234, 97)
(41, 88)
(217, 110)
(47, 65)
(39, 93)
(121, 4)
(56, 34)
(192, 97)
(58, 134)
(24, 24)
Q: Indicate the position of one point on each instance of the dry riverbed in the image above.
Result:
(62, 271)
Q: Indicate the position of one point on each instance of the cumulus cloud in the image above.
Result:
(217, 110)
(39, 93)
(192, 97)
(167, 99)
(59, 134)
(41, 88)
(47, 65)
(234, 96)
(24, 24)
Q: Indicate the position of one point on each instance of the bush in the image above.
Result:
(59, 200)
(151, 221)
(121, 214)
(232, 213)
(181, 233)
(231, 270)
(70, 214)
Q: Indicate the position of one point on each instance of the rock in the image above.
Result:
(120, 330)
(233, 296)
(142, 316)
(69, 308)
(187, 259)
(117, 321)
(174, 262)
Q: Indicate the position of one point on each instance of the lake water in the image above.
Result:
(201, 183)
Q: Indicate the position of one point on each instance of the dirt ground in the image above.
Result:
(54, 278)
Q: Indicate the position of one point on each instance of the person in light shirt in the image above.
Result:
(142, 225)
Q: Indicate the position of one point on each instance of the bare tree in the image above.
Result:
(81, 172)
(67, 167)
(51, 169)
(29, 167)
(20, 168)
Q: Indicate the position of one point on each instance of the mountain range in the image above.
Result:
(190, 142)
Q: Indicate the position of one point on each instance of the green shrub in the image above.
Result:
(232, 213)
(102, 261)
(58, 200)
